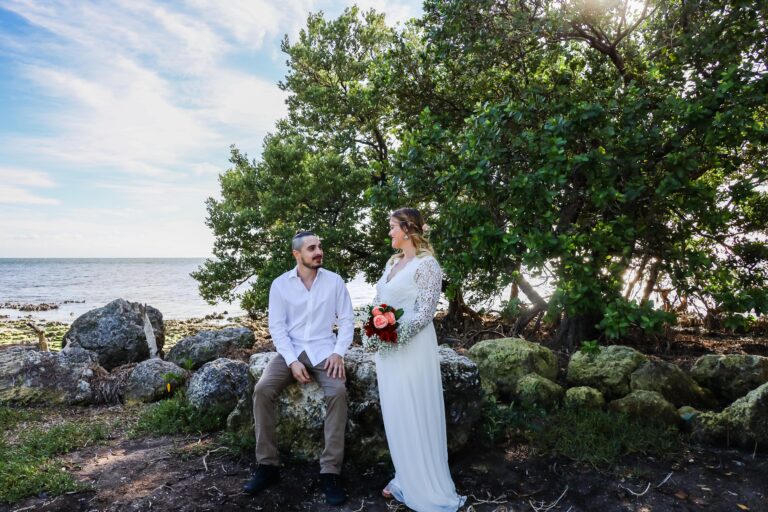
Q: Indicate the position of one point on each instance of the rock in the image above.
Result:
(301, 409)
(502, 362)
(609, 370)
(647, 406)
(28, 376)
(206, 346)
(533, 389)
(149, 379)
(730, 376)
(115, 333)
(687, 413)
(584, 397)
(218, 386)
(744, 422)
(672, 382)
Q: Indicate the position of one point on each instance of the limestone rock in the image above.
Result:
(149, 379)
(744, 422)
(672, 382)
(115, 333)
(584, 397)
(533, 389)
(609, 370)
(647, 406)
(206, 346)
(301, 409)
(502, 362)
(28, 376)
(730, 376)
(218, 386)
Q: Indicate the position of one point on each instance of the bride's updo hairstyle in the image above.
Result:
(412, 223)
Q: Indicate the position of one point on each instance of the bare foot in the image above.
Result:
(387, 493)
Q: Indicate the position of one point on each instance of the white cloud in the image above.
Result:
(29, 178)
(16, 195)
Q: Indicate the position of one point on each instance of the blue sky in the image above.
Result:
(116, 116)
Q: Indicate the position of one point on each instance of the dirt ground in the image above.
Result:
(195, 474)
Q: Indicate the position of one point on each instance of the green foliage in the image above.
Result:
(501, 422)
(176, 416)
(10, 416)
(601, 437)
(29, 467)
(622, 315)
(590, 347)
(238, 443)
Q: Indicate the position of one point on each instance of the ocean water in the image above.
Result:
(163, 283)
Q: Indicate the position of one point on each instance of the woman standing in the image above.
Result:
(408, 372)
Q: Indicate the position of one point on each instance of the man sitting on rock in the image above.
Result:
(304, 305)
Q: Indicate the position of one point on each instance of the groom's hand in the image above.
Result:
(334, 365)
(299, 372)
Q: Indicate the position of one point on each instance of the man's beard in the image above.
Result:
(313, 263)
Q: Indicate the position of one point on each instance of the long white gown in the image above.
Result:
(411, 391)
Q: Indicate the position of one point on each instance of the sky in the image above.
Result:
(116, 116)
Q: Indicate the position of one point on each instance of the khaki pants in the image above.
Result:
(276, 377)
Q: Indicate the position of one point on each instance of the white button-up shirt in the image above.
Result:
(302, 320)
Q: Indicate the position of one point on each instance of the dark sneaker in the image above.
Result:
(263, 477)
(331, 486)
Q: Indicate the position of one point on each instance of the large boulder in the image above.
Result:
(149, 381)
(502, 362)
(730, 376)
(206, 346)
(301, 409)
(672, 382)
(609, 370)
(647, 406)
(28, 376)
(584, 397)
(217, 386)
(535, 390)
(744, 422)
(115, 333)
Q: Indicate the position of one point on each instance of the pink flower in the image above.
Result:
(377, 311)
(380, 321)
(390, 316)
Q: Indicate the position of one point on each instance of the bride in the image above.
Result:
(408, 372)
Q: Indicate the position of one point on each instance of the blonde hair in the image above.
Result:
(412, 223)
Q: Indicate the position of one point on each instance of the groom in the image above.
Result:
(304, 304)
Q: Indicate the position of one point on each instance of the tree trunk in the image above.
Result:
(652, 278)
(575, 329)
(457, 309)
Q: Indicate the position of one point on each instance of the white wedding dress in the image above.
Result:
(411, 391)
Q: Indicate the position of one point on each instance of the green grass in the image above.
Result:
(11, 416)
(176, 416)
(30, 466)
(601, 438)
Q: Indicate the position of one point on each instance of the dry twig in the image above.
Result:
(541, 507)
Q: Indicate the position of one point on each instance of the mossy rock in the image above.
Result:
(744, 422)
(730, 376)
(609, 370)
(533, 389)
(647, 406)
(672, 382)
(502, 362)
(584, 397)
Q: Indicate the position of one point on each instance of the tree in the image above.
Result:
(316, 171)
(605, 136)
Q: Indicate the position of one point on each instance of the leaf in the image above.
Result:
(742, 507)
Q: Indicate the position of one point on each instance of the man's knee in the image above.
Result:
(336, 392)
(264, 393)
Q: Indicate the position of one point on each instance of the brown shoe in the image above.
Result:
(387, 493)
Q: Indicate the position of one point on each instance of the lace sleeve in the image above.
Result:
(429, 279)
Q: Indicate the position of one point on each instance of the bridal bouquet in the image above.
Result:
(382, 323)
